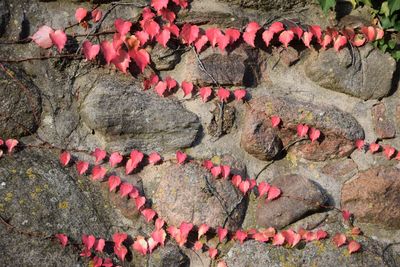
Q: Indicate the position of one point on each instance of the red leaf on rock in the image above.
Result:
(113, 182)
(346, 215)
(167, 15)
(252, 27)
(159, 236)
(163, 37)
(297, 31)
(173, 29)
(249, 38)
(374, 147)
(240, 236)
(139, 202)
(122, 26)
(141, 58)
(197, 246)
(398, 156)
(96, 15)
(244, 186)
(200, 42)
(285, 37)
(142, 36)
(115, 159)
(359, 40)
(302, 130)
(82, 167)
(121, 252)
(152, 244)
(273, 193)
(223, 42)
(360, 144)
(278, 240)
(171, 83)
(189, 33)
(307, 37)
(122, 60)
(63, 239)
(59, 38)
(389, 152)
(119, 238)
(225, 171)
(42, 37)
(216, 171)
(65, 158)
(314, 134)
(108, 50)
(267, 36)
(205, 93)
(233, 34)
(134, 193)
(263, 188)
(240, 94)
(89, 50)
(236, 180)
(154, 158)
(223, 94)
(99, 154)
(379, 33)
(181, 3)
(148, 214)
(275, 121)
(339, 42)
(202, 230)
(327, 40)
(152, 28)
(353, 246)
(212, 252)
(180, 157)
(369, 32)
(276, 27)
(339, 239)
(185, 228)
(80, 14)
(88, 241)
(135, 158)
(187, 88)
(212, 35)
(291, 237)
(221, 232)
(98, 172)
(159, 4)
(321, 234)
(160, 88)
(159, 223)
(316, 31)
(208, 164)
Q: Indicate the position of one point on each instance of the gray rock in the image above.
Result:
(189, 193)
(20, 104)
(126, 117)
(168, 256)
(4, 16)
(369, 77)
(300, 196)
(268, 4)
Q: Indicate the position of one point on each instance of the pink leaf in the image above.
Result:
(212, 35)
(63, 239)
(159, 223)
(321, 234)
(115, 159)
(223, 94)
(205, 93)
(121, 252)
(159, 4)
(276, 27)
(148, 214)
(327, 40)
(187, 88)
(197, 246)
(154, 158)
(374, 147)
(212, 252)
(99, 245)
(122, 60)
(339, 240)
(185, 228)
(379, 33)
(346, 215)
(240, 236)
(314, 134)
(140, 245)
(167, 15)
(152, 244)
(42, 37)
(108, 50)
(99, 154)
(307, 37)
(88, 241)
(82, 167)
(249, 38)
(89, 50)
(113, 182)
(252, 27)
(119, 238)
(360, 144)
(171, 83)
(98, 172)
(302, 130)
(152, 28)
(59, 38)
(236, 180)
(263, 188)
(359, 40)
(65, 157)
(273, 193)
(159, 236)
(163, 37)
(225, 171)
(389, 152)
(208, 164)
(141, 57)
(142, 36)
(96, 15)
(173, 29)
(216, 171)
(202, 230)
(275, 121)
(240, 94)
(353, 246)
(80, 14)
(108, 262)
(123, 27)
(316, 31)
(278, 240)
(160, 88)
(200, 42)
(134, 193)
(369, 32)
(339, 42)
(244, 186)
(285, 37)
(233, 34)
(181, 3)
(221, 232)
(267, 36)
(189, 33)
(139, 202)
(180, 157)
(297, 31)
(223, 42)
(125, 189)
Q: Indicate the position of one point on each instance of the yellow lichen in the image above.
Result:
(8, 197)
(30, 174)
(63, 205)
(292, 158)
(1, 207)
(216, 160)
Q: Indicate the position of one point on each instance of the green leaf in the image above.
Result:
(392, 43)
(366, 2)
(386, 22)
(394, 5)
(383, 48)
(327, 4)
(385, 9)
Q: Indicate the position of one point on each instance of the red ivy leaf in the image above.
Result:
(267, 36)
(65, 158)
(108, 50)
(307, 37)
(120, 252)
(346, 215)
(202, 230)
(233, 34)
(240, 94)
(212, 35)
(275, 121)
(99, 154)
(276, 27)
(189, 33)
(339, 42)
(200, 42)
(298, 31)
(63, 239)
(327, 40)
(99, 245)
(151, 28)
(160, 88)
(223, 42)
(314, 134)
(98, 172)
(273, 193)
(113, 182)
(89, 50)
(360, 144)
(154, 158)
(140, 245)
(249, 38)
(374, 147)
(148, 214)
(42, 37)
(181, 3)
(122, 26)
(389, 152)
(285, 37)
(59, 38)
(82, 167)
(115, 159)
(187, 88)
(221, 232)
(263, 188)
(181, 157)
(223, 94)
(141, 58)
(163, 37)
(353, 246)
(302, 130)
(316, 31)
(244, 186)
(139, 202)
(96, 15)
(142, 36)
(80, 14)
(122, 60)
(159, 4)
(205, 93)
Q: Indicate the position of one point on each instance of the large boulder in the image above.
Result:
(20, 103)
(365, 73)
(189, 193)
(374, 197)
(269, 4)
(300, 196)
(339, 129)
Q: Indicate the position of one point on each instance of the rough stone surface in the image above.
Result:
(374, 197)
(384, 126)
(339, 129)
(239, 67)
(300, 196)
(20, 104)
(189, 193)
(126, 117)
(341, 170)
(268, 5)
(170, 255)
(369, 77)
(256, 254)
